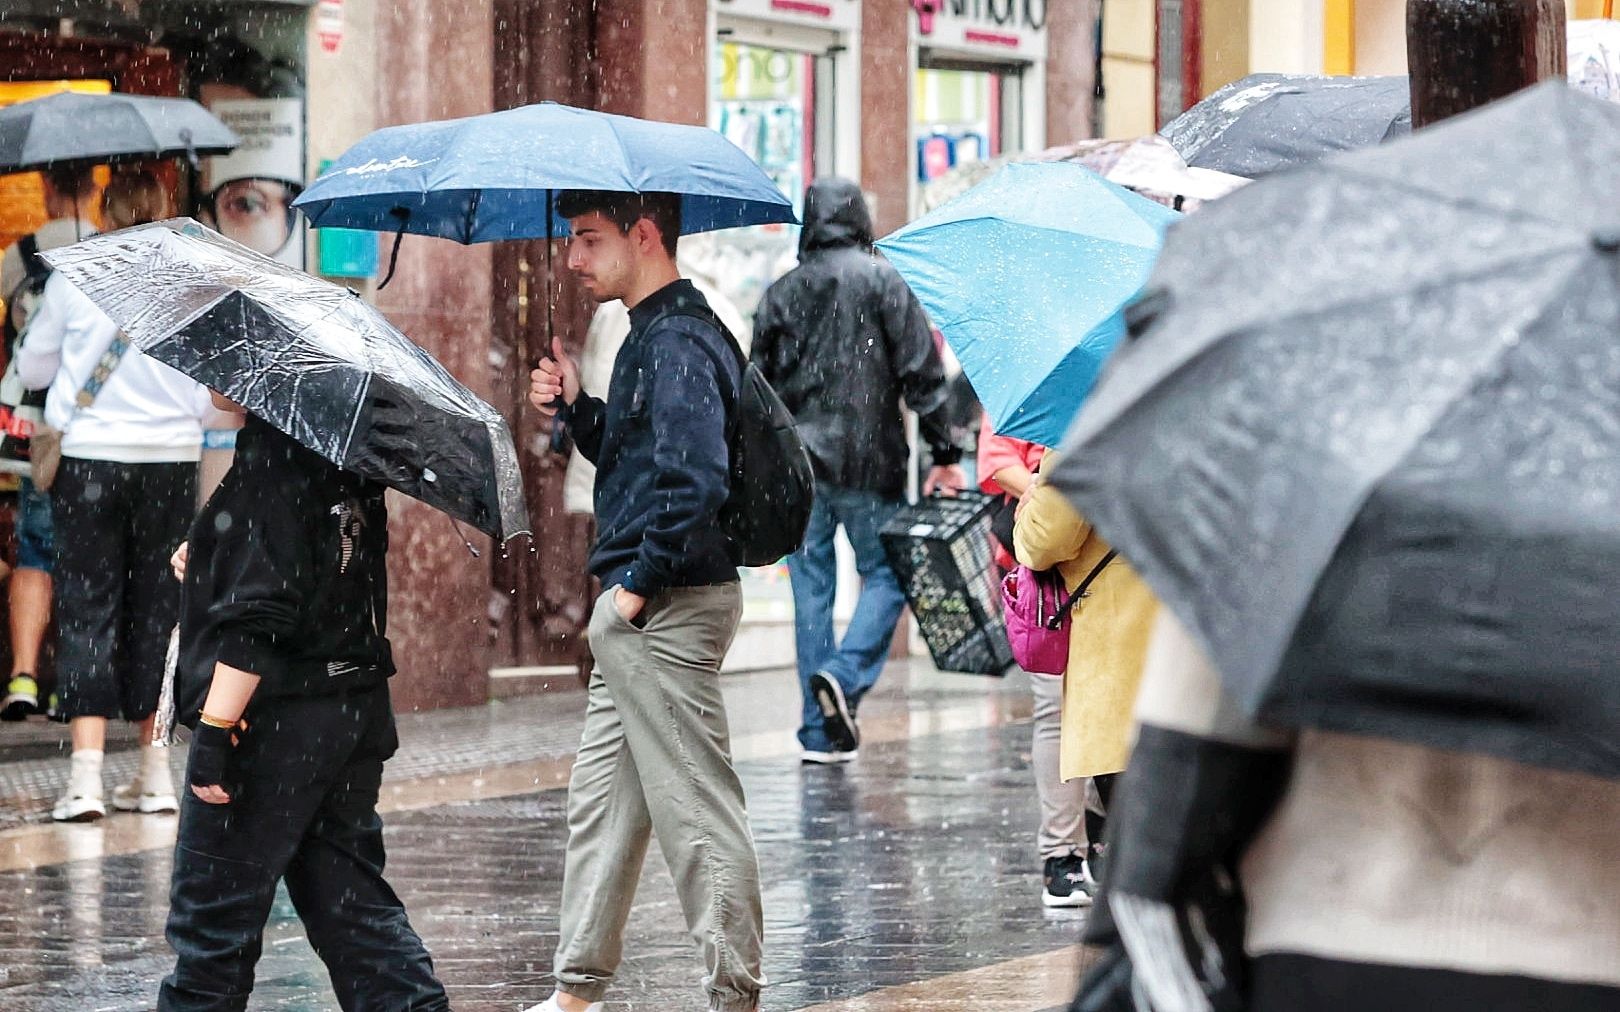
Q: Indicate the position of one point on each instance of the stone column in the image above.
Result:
(434, 61)
(886, 70)
(653, 58)
(1466, 53)
(1071, 71)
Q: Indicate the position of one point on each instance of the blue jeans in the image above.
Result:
(35, 547)
(813, 569)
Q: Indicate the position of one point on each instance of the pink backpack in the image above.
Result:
(1037, 614)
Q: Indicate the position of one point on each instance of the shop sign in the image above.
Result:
(329, 25)
(1011, 29)
(838, 14)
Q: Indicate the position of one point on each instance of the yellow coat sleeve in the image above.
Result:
(1049, 532)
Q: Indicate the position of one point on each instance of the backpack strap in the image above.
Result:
(34, 266)
(709, 316)
(1079, 592)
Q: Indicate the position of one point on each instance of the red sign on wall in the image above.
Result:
(810, 7)
(329, 25)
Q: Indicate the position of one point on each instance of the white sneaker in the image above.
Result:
(133, 797)
(151, 792)
(550, 1005)
(81, 802)
(827, 758)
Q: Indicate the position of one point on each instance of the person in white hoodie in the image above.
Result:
(123, 500)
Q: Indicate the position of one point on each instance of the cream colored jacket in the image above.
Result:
(1383, 852)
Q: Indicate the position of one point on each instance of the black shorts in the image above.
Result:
(116, 598)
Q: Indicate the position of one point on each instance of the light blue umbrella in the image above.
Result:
(492, 177)
(1027, 275)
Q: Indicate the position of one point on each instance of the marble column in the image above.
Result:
(435, 61)
(886, 73)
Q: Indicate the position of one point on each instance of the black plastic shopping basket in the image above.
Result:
(940, 551)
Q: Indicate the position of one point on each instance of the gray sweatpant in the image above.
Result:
(655, 761)
(1063, 804)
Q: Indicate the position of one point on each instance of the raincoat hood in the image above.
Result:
(835, 214)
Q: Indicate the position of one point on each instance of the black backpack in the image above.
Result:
(772, 483)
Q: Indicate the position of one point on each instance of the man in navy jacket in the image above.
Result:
(654, 758)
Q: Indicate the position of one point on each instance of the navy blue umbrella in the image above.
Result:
(493, 176)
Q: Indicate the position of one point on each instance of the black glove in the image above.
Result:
(211, 749)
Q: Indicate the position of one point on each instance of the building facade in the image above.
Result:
(884, 91)
(1161, 56)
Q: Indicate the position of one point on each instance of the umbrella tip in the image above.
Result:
(1607, 241)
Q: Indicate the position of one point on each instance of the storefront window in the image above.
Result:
(764, 100)
(776, 104)
(768, 101)
(243, 60)
(957, 119)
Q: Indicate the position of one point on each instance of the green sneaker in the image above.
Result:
(53, 710)
(22, 698)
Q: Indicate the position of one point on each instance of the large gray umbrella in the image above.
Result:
(69, 127)
(1265, 123)
(312, 359)
(1365, 440)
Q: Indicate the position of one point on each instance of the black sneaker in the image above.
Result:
(1067, 884)
(838, 721)
(22, 698)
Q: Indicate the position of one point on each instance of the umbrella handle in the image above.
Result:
(404, 217)
(464, 539)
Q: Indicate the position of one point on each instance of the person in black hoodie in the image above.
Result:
(283, 677)
(843, 341)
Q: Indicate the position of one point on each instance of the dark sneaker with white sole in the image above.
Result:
(817, 757)
(1067, 884)
(837, 718)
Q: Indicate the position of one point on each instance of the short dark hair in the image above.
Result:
(76, 179)
(625, 209)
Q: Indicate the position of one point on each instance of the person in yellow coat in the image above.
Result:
(1108, 634)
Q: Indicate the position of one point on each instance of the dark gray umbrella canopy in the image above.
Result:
(312, 359)
(1366, 438)
(70, 127)
(1266, 123)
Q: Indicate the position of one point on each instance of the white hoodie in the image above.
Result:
(147, 413)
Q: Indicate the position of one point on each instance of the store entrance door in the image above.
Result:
(778, 104)
(965, 111)
(773, 93)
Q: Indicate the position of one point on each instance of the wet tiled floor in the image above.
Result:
(905, 881)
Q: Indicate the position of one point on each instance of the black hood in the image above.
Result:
(835, 214)
(261, 445)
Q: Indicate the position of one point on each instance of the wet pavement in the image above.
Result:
(907, 880)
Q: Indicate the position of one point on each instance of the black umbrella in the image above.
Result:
(312, 359)
(1269, 122)
(1366, 438)
(70, 127)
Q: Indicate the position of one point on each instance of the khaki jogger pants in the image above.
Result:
(655, 761)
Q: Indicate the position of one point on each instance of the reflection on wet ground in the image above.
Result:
(904, 881)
